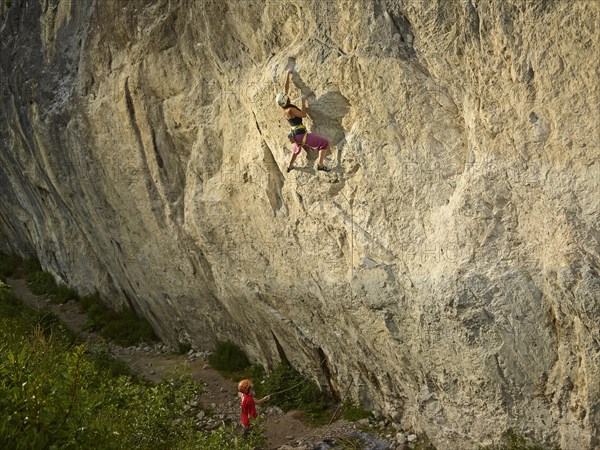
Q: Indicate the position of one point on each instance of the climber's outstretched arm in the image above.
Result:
(303, 112)
(295, 112)
(287, 81)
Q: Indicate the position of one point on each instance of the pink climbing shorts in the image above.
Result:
(312, 140)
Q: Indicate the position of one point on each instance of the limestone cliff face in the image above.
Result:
(446, 271)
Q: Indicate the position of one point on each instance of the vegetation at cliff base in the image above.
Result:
(41, 283)
(288, 388)
(124, 327)
(17, 267)
(511, 440)
(228, 358)
(57, 393)
(9, 264)
(353, 412)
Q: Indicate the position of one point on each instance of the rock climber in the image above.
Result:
(248, 404)
(299, 136)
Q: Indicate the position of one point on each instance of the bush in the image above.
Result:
(353, 412)
(41, 283)
(226, 438)
(16, 267)
(105, 362)
(127, 328)
(350, 443)
(54, 394)
(291, 390)
(64, 294)
(87, 301)
(9, 264)
(228, 358)
(183, 347)
(10, 305)
(513, 441)
(31, 264)
(124, 327)
(254, 372)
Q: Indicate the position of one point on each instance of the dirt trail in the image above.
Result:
(220, 394)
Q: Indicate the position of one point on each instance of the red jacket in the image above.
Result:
(248, 409)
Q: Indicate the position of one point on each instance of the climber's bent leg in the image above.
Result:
(291, 166)
(316, 142)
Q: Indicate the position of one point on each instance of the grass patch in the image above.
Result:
(183, 348)
(105, 362)
(289, 389)
(64, 294)
(16, 267)
(511, 440)
(353, 412)
(30, 265)
(57, 394)
(255, 373)
(424, 444)
(9, 264)
(349, 443)
(228, 359)
(10, 304)
(123, 327)
(41, 283)
(87, 301)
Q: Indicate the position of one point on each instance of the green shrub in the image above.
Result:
(31, 265)
(9, 264)
(291, 390)
(10, 305)
(424, 444)
(87, 301)
(228, 358)
(16, 267)
(127, 328)
(511, 440)
(105, 362)
(41, 283)
(225, 437)
(353, 412)
(254, 372)
(64, 294)
(183, 348)
(124, 327)
(350, 443)
(54, 394)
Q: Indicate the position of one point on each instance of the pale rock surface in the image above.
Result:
(447, 269)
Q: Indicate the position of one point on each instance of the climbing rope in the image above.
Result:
(341, 402)
(288, 389)
(305, 379)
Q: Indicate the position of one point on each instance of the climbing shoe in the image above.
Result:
(324, 168)
(289, 169)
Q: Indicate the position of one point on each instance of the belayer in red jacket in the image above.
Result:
(248, 404)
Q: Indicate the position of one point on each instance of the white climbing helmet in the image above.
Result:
(282, 99)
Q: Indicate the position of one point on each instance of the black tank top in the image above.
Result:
(295, 121)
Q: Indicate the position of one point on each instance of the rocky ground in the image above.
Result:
(219, 403)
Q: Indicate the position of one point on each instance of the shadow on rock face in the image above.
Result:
(327, 113)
